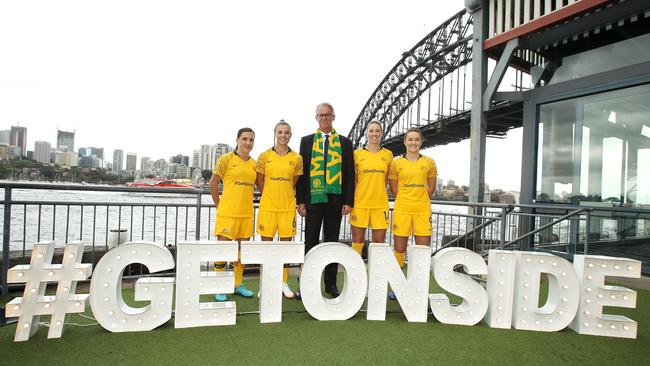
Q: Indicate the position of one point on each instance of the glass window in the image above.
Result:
(625, 53)
(596, 149)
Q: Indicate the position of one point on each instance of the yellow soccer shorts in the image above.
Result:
(234, 227)
(405, 223)
(270, 222)
(376, 218)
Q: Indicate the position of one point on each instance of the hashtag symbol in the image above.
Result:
(36, 275)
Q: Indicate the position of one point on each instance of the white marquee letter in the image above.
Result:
(354, 287)
(191, 283)
(271, 256)
(36, 275)
(500, 285)
(563, 294)
(475, 299)
(411, 294)
(594, 295)
(106, 288)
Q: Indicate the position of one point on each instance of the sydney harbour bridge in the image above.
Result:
(430, 88)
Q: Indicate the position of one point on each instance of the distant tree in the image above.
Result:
(48, 172)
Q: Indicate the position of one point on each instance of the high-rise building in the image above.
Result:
(42, 151)
(98, 152)
(83, 151)
(5, 137)
(65, 140)
(118, 159)
(180, 159)
(209, 154)
(196, 159)
(161, 167)
(487, 195)
(144, 164)
(131, 160)
(18, 138)
(439, 185)
(90, 162)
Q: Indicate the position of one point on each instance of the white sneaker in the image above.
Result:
(286, 291)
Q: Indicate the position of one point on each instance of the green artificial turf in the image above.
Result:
(301, 339)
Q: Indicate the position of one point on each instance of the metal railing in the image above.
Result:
(98, 215)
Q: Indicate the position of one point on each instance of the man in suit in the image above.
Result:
(325, 191)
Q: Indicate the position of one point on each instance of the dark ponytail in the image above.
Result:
(242, 130)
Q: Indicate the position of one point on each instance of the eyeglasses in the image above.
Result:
(324, 115)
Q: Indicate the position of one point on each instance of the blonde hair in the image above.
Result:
(281, 123)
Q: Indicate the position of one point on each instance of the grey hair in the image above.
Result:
(324, 104)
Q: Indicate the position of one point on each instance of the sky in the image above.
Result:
(161, 78)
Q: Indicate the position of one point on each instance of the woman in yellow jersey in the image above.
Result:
(370, 198)
(412, 180)
(235, 206)
(278, 169)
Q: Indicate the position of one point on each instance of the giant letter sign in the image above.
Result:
(591, 272)
(106, 288)
(563, 294)
(411, 294)
(475, 299)
(354, 287)
(271, 256)
(191, 283)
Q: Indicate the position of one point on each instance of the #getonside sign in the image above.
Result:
(576, 292)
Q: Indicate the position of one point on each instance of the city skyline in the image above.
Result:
(219, 148)
(192, 75)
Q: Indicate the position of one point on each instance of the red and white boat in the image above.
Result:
(159, 183)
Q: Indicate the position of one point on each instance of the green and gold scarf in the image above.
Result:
(324, 181)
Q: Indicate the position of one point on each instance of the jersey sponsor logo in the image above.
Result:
(240, 183)
(413, 185)
(281, 179)
(370, 171)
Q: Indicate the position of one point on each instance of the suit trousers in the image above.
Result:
(329, 216)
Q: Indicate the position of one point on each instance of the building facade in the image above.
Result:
(118, 161)
(131, 160)
(65, 140)
(42, 152)
(18, 138)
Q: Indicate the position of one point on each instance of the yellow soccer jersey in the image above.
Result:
(279, 173)
(412, 183)
(371, 169)
(238, 177)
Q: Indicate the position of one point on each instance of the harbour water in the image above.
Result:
(89, 216)
(167, 218)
